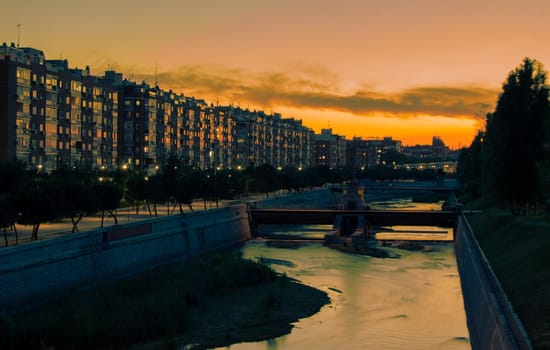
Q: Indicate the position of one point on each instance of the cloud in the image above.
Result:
(311, 87)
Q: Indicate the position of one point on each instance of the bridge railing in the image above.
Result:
(372, 217)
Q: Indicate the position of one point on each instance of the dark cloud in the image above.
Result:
(317, 88)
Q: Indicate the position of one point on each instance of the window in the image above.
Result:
(76, 86)
(23, 76)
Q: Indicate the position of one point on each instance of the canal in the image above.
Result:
(411, 302)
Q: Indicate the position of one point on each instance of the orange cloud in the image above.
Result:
(316, 88)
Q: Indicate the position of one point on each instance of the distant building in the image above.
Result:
(437, 149)
(367, 153)
(52, 115)
(330, 149)
(270, 139)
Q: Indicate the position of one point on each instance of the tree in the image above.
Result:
(73, 195)
(37, 203)
(109, 195)
(136, 191)
(13, 180)
(516, 133)
(266, 179)
(156, 190)
(183, 190)
(470, 165)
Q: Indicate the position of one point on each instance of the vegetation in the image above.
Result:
(33, 197)
(508, 166)
(178, 300)
(510, 161)
(517, 248)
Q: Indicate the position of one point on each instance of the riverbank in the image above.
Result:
(517, 249)
(212, 301)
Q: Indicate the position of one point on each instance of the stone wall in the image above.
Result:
(37, 272)
(491, 320)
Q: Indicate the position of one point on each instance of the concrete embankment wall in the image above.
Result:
(34, 273)
(491, 320)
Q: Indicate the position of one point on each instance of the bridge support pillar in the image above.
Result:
(337, 225)
(368, 228)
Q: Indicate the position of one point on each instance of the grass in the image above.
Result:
(164, 307)
(518, 250)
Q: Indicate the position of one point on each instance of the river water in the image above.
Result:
(413, 302)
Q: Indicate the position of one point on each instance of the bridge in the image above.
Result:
(371, 217)
(448, 186)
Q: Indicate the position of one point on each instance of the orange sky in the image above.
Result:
(401, 68)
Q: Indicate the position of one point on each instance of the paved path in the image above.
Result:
(126, 215)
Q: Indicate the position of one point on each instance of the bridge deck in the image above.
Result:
(372, 217)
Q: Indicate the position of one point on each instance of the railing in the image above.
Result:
(372, 217)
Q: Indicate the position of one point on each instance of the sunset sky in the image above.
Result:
(401, 68)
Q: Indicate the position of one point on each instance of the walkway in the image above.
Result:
(126, 215)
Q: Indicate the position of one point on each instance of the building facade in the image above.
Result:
(365, 153)
(330, 149)
(52, 115)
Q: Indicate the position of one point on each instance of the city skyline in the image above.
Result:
(410, 71)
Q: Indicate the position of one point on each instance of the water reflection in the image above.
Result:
(414, 302)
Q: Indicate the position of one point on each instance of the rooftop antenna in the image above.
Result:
(156, 74)
(18, 34)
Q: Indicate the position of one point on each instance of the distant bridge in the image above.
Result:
(371, 217)
(415, 187)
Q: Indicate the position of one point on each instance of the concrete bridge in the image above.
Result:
(364, 219)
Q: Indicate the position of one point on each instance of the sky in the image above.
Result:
(367, 68)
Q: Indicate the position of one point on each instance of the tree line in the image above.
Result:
(509, 161)
(33, 197)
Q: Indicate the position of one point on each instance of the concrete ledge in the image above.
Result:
(491, 320)
(35, 273)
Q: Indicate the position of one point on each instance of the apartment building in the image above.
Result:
(52, 115)
(330, 149)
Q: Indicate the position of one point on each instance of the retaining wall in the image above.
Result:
(37, 272)
(491, 320)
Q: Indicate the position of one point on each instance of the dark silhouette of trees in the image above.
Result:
(37, 203)
(184, 188)
(470, 167)
(13, 180)
(36, 197)
(108, 194)
(73, 194)
(136, 192)
(517, 135)
(262, 179)
(510, 161)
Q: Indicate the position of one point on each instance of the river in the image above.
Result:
(413, 302)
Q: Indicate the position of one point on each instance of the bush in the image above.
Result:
(145, 307)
